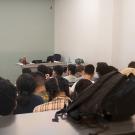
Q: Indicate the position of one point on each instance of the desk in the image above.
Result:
(41, 124)
(33, 66)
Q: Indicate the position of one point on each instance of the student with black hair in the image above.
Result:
(79, 72)
(80, 86)
(65, 72)
(71, 69)
(131, 64)
(58, 71)
(7, 97)
(58, 91)
(103, 68)
(49, 73)
(43, 69)
(40, 89)
(26, 100)
(130, 69)
(89, 71)
(87, 75)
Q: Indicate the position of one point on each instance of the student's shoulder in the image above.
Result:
(37, 98)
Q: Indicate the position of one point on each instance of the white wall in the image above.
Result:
(83, 28)
(26, 29)
(96, 30)
(124, 35)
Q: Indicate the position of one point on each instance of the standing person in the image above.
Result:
(26, 100)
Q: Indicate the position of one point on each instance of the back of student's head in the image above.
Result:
(39, 78)
(26, 70)
(80, 68)
(82, 85)
(50, 71)
(43, 69)
(56, 85)
(26, 86)
(72, 69)
(101, 68)
(7, 97)
(89, 69)
(131, 64)
(58, 70)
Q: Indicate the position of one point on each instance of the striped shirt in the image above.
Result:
(56, 104)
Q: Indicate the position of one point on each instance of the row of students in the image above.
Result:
(31, 88)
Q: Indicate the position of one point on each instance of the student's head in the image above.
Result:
(40, 82)
(55, 87)
(71, 69)
(26, 86)
(79, 70)
(89, 70)
(131, 64)
(58, 70)
(82, 85)
(106, 69)
(26, 70)
(49, 73)
(43, 69)
(101, 68)
(7, 97)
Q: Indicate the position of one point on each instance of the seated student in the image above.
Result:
(57, 73)
(43, 69)
(49, 73)
(130, 69)
(79, 72)
(40, 89)
(71, 69)
(89, 72)
(65, 72)
(131, 64)
(80, 86)
(26, 70)
(103, 68)
(88, 75)
(27, 101)
(100, 69)
(7, 97)
(58, 91)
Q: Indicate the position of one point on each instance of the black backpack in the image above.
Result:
(113, 95)
(57, 57)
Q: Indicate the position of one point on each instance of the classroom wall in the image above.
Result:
(83, 28)
(124, 35)
(26, 29)
(96, 30)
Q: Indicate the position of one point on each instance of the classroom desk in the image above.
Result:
(33, 66)
(41, 124)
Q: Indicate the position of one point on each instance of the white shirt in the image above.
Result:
(71, 78)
